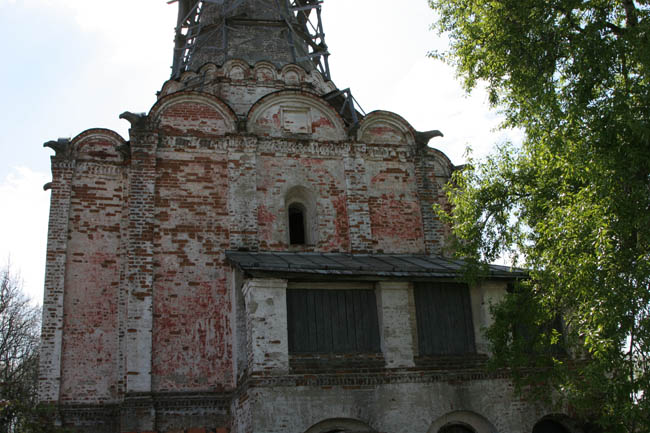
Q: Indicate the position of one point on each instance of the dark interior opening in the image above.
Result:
(549, 426)
(296, 224)
(455, 428)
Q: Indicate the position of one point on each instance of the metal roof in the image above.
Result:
(358, 265)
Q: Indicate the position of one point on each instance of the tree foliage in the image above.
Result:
(20, 323)
(573, 201)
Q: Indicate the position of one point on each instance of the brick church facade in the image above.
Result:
(257, 256)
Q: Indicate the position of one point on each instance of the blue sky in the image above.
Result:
(70, 65)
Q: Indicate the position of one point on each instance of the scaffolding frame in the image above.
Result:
(303, 20)
(307, 25)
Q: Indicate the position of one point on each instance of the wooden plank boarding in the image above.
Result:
(332, 321)
(444, 319)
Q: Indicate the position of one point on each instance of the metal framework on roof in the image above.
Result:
(302, 18)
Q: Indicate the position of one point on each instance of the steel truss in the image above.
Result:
(306, 25)
(306, 39)
(302, 17)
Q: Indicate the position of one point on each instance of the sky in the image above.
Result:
(71, 65)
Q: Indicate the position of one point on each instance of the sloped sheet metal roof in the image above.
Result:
(357, 265)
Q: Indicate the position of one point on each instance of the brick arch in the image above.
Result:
(193, 113)
(98, 143)
(237, 69)
(385, 127)
(556, 423)
(468, 419)
(342, 425)
(441, 160)
(292, 75)
(295, 113)
(210, 70)
(265, 71)
(188, 76)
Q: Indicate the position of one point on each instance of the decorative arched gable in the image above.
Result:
(188, 76)
(294, 112)
(193, 113)
(210, 71)
(265, 71)
(385, 127)
(171, 86)
(98, 144)
(442, 164)
(236, 69)
(292, 75)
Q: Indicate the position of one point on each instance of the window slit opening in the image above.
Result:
(296, 224)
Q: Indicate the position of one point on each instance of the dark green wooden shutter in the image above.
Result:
(444, 319)
(332, 321)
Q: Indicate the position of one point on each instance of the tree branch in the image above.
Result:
(630, 13)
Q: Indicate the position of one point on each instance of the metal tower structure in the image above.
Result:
(282, 31)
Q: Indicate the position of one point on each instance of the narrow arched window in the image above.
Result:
(297, 224)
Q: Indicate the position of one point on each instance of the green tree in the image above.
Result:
(19, 338)
(572, 202)
(20, 324)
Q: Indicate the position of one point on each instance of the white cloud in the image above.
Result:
(23, 226)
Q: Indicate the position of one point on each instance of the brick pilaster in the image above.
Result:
(266, 308)
(395, 324)
(242, 194)
(429, 194)
(356, 185)
(57, 242)
(139, 284)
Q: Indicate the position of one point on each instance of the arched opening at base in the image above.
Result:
(462, 421)
(549, 426)
(456, 428)
(340, 425)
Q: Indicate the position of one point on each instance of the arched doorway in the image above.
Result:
(456, 428)
(462, 421)
(340, 425)
(549, 426)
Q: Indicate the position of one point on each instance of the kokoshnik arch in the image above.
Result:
(260, 255)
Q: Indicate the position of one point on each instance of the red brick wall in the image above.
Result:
(90, 338)
(324, 178)
(394, 208)
(192, 348)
